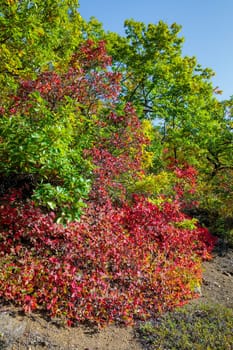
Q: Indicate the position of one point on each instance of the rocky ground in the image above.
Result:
(19, 332)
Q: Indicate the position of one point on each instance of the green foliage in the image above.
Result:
(44, 145)
(34, 36)
(215, 196)
(204, 327)
(173, 91)
(154, 185)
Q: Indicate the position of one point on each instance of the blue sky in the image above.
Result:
(207, 26)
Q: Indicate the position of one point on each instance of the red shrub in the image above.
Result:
(116, 264)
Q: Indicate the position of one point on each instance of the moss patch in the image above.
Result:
(196, 327)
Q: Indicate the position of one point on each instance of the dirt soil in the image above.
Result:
(19, 332)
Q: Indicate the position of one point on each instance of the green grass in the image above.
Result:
(196, 327)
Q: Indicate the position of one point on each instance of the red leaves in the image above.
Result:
(93, 55)
(87, 81)
(116, 264)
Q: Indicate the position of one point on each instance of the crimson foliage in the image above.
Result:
(116, 264)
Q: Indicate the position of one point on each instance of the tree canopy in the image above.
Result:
(35, 36)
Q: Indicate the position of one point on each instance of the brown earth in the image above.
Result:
(19, 332)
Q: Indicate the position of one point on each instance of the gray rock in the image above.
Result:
(11, 329)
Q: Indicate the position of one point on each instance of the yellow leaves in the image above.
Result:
(189, 224)
(21, 53)
(147, 129)
(39, 31)
(11, 2)
(147, 158)
(153, 185)
(8, 61)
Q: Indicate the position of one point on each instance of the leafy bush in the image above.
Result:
(117, 264)
(46, 127)
(203, 327)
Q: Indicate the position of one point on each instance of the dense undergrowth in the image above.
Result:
(116, 264)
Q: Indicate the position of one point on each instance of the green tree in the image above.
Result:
(175, 92)
(34, 36)
(216, 186)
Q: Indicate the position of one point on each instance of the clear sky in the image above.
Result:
(207, 26)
